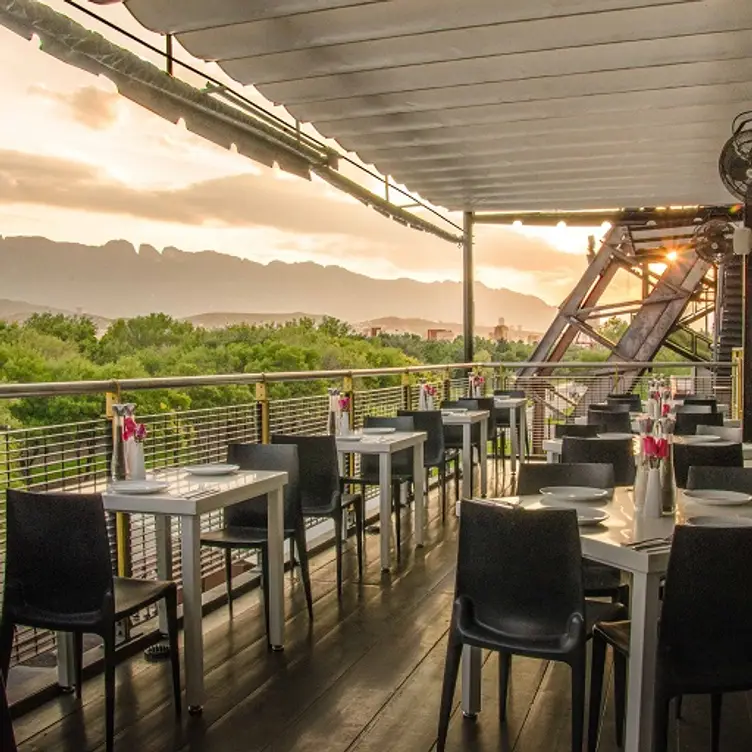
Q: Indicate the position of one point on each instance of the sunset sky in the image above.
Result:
(80, 163)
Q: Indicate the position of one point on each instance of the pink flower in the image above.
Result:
(129, 428)
(665, 410)
(649, 447)
(661, 447)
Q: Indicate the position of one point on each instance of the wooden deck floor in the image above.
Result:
(365, 675)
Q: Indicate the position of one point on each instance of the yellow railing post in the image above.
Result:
(262, 412)
(122, 521)
(737, 382)
(447, 384)
(349, 392)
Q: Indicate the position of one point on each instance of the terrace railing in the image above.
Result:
(73, 455)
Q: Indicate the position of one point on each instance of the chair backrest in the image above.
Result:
(706, 617)
(720, 454)
(575, 429)
(533, 476)
(318, 470)
(521, 569)
(727, 433)
(694, 408)
(482, 403)
(509, 393)
(686, 423)
(402, 461)
(720, 478)
(254, 512)
(453, 434)
(612, 407)
(633, 400)
(711, 402)
(58, 556)
(609, 421)
(428, 421)
(616, 452)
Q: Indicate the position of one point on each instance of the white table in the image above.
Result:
(467, 420)
(385, 446)
(552, 448)
(604, 544)
(187, 498)
(518, 433)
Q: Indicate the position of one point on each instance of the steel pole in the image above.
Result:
(468, 285)
(747, 337)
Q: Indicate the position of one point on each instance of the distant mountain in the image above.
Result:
(115, 281)
(17, 311)
(220, 320)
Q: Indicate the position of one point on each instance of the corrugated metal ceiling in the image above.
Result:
(505, 106)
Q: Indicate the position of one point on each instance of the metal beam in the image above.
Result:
(468, 285)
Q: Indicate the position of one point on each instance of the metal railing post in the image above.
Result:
(122, 521)
(407, 392)
(447, 384)
(262, 412)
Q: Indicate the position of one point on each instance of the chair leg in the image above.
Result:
(396, 494)
(292, 556)
(451, 669)
(300, 542)
(171, 607)
(78, 662)
(457, 478)
(6, 646)
(109, 686)
(505, 669)
(228, 578)
(578, 700)
(661, 723)
(597, 668)
(443, 490)
(360, 533)
(265, 585)
(620, 695)
(716, 702)
(338, 547)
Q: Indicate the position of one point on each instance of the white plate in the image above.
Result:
(139, 487)
(216, 468)
(700, 438)
(714, 498)
(711, 521)
(585, 516)
(378, 431)
(575, 493)
(615, 436)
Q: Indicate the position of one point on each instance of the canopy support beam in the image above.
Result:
(747, 336)
(468, 285)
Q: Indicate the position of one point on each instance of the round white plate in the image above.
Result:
(585, 516)
(713, 498)
(378, 431)
(139, 487)
(216, 468)
(700, 438)
(615, 436)
(575, 493)
(710, 521)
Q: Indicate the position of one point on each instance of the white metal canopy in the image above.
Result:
(517, 105)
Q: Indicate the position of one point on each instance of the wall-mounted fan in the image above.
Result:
(713, 240)
(735, 164)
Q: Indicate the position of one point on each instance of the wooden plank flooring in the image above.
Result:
(365, 675)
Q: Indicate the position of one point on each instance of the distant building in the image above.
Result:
(501, 331)
(443, 335)
(373, 331)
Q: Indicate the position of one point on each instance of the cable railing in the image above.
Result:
(76, 456)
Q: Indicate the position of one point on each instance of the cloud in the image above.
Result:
(333, 231)
(89, 105)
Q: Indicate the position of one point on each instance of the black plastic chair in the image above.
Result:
(586, 431)
(247, 524)
(435, 453)
(612, 407)
(720, 478)
(616, 452)
(706, 621)
(710, 402)
(58, 576)
(503, 420)
(610, 421)
(522, 596)
(599, 580)
(7, 739)
(493, 430)
(322, 494)
(633, 400)
(686, 423)
(720, 454)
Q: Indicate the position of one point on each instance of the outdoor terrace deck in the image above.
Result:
(366, 675)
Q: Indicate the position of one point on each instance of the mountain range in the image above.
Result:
(114, 280)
